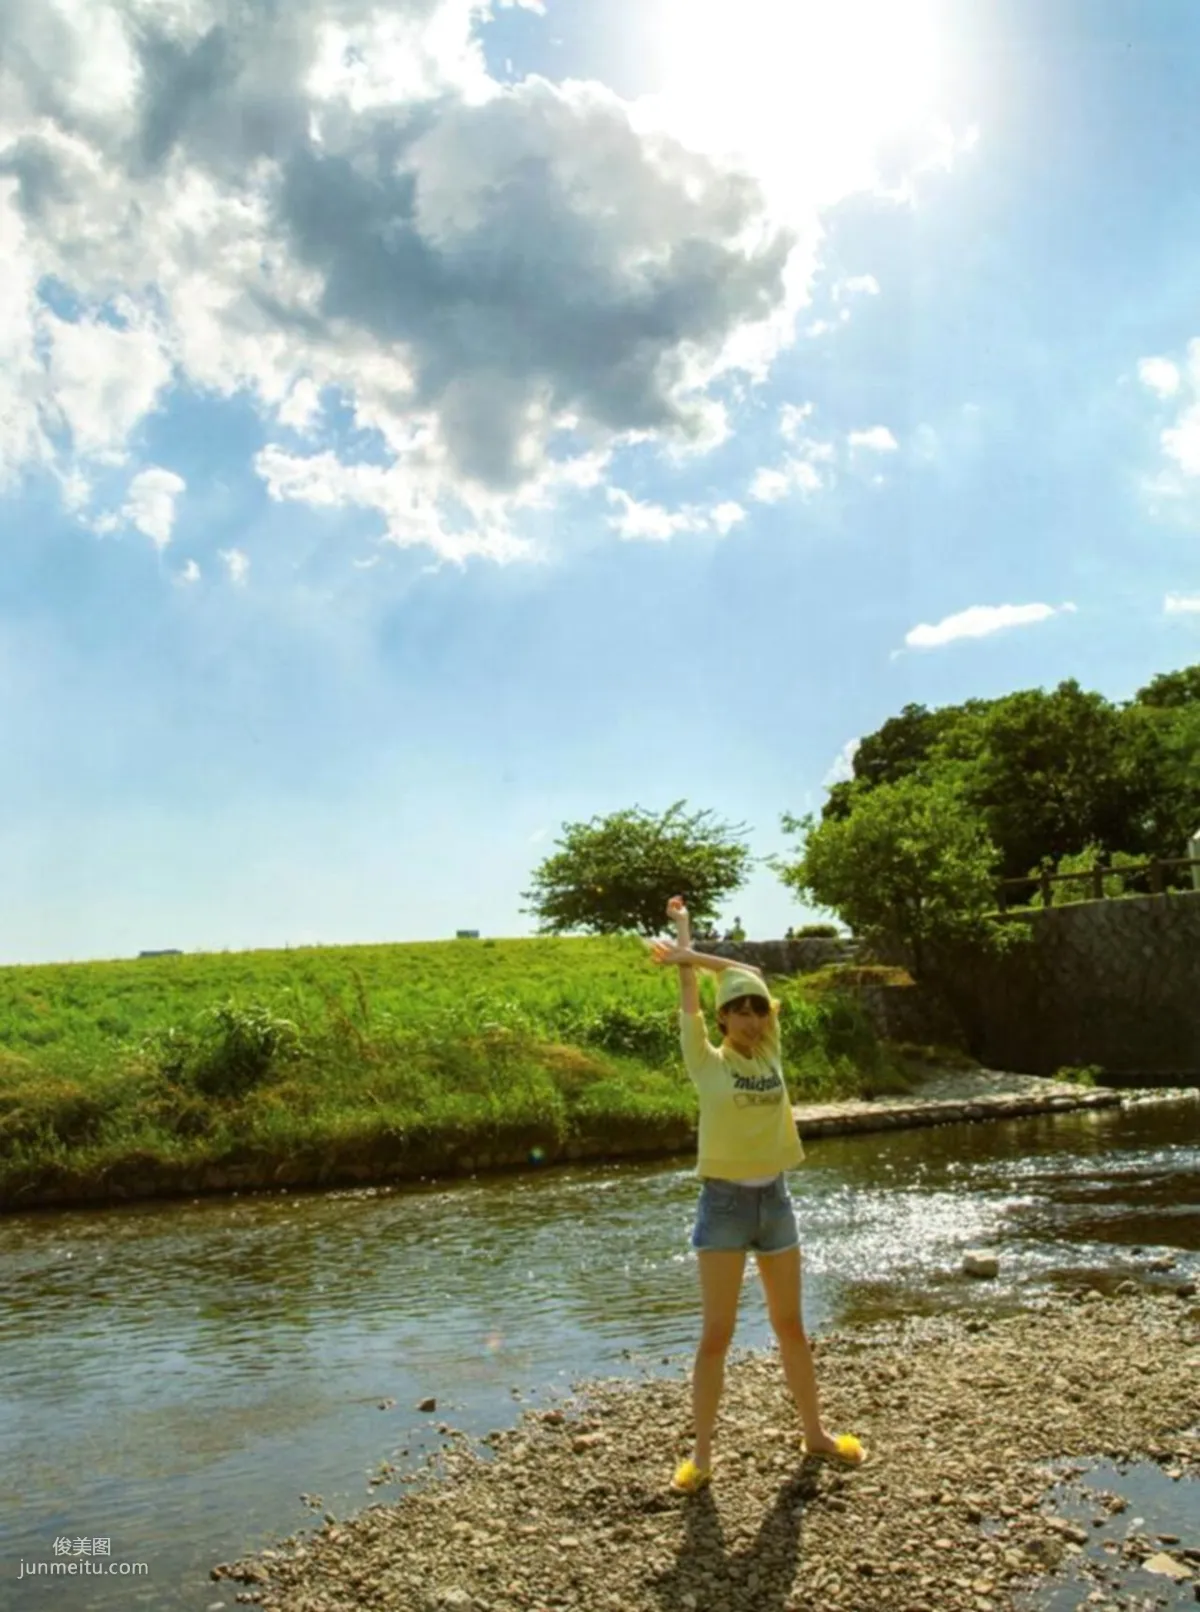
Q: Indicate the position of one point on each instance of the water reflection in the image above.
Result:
(176, 1374)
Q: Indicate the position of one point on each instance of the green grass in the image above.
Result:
(356, 1053)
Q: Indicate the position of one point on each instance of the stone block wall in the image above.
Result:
(913, 1013)
(784, 956)
(1114, 983)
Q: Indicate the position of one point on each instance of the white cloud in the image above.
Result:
(301, 410)
(1160, 375)
(806, 470)
(842, 769)
(237, 563)
(408, 494)
(791, 417)
(150, 503)
(1181, 442)
(76, 492)
(1181, 604)
(877, 439)
(332, 201)
(857, 285)
(727, 515)
(1173, 483)
(190, 572)
(655, 523)
(23, 388)
(105, 378)
(794, 475)
(980, 621)
(769, 485)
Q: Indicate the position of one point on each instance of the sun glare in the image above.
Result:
(808, 94)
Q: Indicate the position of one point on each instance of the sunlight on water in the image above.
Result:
(177, 1374)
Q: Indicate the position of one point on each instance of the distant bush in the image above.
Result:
(850, 976)
(1114, 880)
(226, 1052)
(618, 1028)
(831, 1049)
(817, 932)
(54, 1110)
(1079, 1074)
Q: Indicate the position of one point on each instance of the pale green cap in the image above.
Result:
(733, 982)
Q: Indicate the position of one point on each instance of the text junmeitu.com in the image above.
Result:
(77, 1565)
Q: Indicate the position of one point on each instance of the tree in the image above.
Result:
(906, 744)
(1171, 734)
(615, 874)
(1048, 772)
(1057, 772)
(1171, 689)
(1092, 857)
(912, 864)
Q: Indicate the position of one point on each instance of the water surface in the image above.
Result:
(176, 1375)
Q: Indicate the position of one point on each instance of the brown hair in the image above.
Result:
(723, 1027)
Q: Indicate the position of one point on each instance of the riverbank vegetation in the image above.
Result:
(944, 806)
(325, 1064)
(951, 819)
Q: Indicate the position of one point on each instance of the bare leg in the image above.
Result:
(780, 1275)
(720, 1286)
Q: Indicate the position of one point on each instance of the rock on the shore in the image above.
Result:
(977, 1262)
(1166, 1565)
(573, 1511)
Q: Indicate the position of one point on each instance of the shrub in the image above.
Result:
(182, 1112)
(817, 932)
(1079, 1074)
(619, 1028)
(226, 1052)
(1114, 879)
(51, 1108)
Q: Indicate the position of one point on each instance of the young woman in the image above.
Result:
(748, 1139)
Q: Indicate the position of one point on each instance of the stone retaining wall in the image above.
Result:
(784, 956)
(907, 1012)
(1113, 983)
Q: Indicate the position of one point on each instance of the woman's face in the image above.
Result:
(745, 1018)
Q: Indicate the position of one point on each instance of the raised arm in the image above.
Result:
(719, 964)
(689, 989)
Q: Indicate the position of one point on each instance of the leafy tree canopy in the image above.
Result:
(1171, 689)
(615, 874)
(1049, 772)
(912, 863)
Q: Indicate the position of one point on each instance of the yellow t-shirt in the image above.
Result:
(747, 1128)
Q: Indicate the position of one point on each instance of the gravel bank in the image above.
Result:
(572, 1509)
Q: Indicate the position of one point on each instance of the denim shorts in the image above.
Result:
(731, 1218)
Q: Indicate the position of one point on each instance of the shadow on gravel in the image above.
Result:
(708, 1573)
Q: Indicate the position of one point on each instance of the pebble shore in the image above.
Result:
(968, 1422)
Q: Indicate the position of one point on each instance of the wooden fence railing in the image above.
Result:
(1153, 869)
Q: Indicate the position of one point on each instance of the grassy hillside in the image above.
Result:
(260, 1060)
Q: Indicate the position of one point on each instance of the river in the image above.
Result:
(176, 1375)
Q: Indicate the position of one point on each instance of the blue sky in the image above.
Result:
(424, 427)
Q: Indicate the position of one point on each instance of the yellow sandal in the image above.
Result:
(849, 1451)
(690, 1478)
